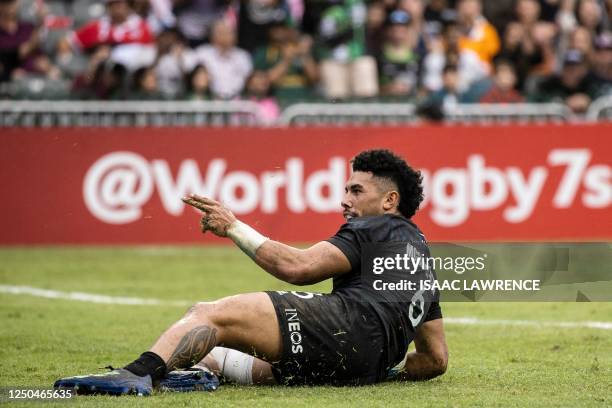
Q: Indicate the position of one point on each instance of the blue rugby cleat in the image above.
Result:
(193, 379)
(116, 382)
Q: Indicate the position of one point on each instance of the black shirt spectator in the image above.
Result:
(575, 85)
(255, 17)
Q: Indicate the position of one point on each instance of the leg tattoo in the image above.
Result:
(192, 348)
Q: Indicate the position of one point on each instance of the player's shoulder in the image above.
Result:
(371, 221)
(382, 226)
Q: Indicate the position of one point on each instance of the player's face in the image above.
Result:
(362, 196)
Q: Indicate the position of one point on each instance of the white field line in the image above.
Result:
(86, 297)
(530, 323)
(120, 300)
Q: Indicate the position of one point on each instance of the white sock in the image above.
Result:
(234, 365)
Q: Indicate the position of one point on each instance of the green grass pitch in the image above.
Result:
(490, 365)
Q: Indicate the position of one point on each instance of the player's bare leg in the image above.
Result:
(243, 322)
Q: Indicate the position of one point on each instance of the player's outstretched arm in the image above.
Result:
(302, 266)
(297, 266)
(431, 356)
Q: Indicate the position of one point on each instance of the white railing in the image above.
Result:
(600, 109)
(348, 114)
(128, 113)
(247, 113)
(396, 113)
(514, 113)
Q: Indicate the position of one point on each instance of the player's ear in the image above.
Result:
(391, 200)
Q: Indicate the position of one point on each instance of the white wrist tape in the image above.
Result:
(234, 365)
(246, 238)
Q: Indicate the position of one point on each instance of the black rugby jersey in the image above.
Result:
(393, 235)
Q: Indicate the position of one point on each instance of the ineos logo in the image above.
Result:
(295, 334)
(117, 186)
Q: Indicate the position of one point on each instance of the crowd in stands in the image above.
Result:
(278, 52)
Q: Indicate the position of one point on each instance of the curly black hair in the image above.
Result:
(386, 164)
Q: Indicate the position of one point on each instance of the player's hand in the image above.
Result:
(216, 218)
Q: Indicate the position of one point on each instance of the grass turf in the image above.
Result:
(44, 339)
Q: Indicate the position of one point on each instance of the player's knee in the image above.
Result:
(208, 314)
(202, 311)
(214, 313)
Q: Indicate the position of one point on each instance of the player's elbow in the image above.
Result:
(439, 367)
(439, 362)
(296, 276)
(296, 273)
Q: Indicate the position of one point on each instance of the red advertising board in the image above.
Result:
(123, 185)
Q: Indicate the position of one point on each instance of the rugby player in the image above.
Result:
(352, 336)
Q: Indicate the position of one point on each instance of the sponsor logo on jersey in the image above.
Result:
(295, 334)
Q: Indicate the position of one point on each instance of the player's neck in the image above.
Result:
(393, 211)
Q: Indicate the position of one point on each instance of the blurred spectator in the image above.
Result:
(144, 85)
(398, 63)
(313, 12)
(255, 17)
(434, 11)
(195, 18)
(602, 62)
(497, 12)
(289, 64)
(437, 13)
(119, 26)
(503, 88)
(428, 111)
(345, 68)
(375, 27)
(582, 40)
(550, 9)
(418, 28)
(445, 50)
(157, 13)
(528, 42)
(20, 51)
(478, 35)
(170, 58)
(227, 65)
(590, 15)
(172, 61)
(259, 90)
(102, 79)
(416, 10)
(338, 48)
(197, 84)
(449, 95)
(575, 86)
